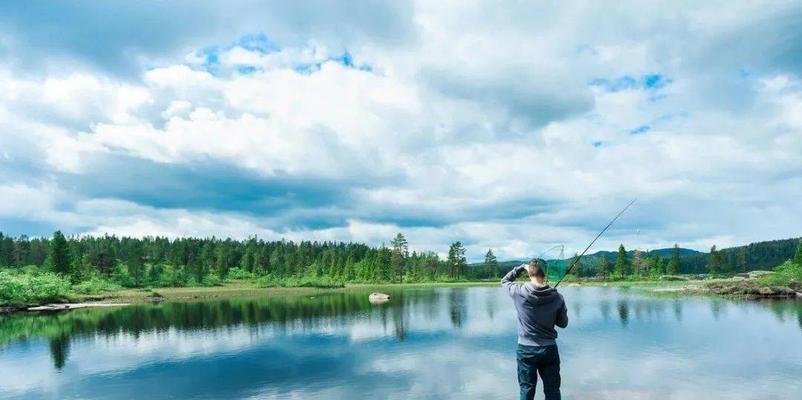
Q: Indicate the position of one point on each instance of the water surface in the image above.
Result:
(431, 343)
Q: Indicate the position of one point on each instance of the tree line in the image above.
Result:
(160, 261)
(741, 259)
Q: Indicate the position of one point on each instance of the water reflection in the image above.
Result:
(619, 345)
(717, 307)
(59, 349)
(623, 312)
(677, 306)
(604, 308)
(456, 306)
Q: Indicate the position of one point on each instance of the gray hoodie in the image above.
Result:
(539, 309)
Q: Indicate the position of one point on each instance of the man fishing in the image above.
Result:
(540, 307)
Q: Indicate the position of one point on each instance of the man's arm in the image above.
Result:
(562, 316)
(507, 280)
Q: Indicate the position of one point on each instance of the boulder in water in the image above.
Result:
(378, 298)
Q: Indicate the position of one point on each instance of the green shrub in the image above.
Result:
(30, 288)
(120, 276)
(238, 273)
(212, 280)
(784, 275)
(266, 282)
(95, 285)
(300, 281)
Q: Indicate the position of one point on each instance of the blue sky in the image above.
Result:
(507, 126)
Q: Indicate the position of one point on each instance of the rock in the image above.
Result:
(378, 298)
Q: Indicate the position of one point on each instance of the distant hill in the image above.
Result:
(754, 256)
(683, 252)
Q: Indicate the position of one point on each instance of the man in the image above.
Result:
(540, 308)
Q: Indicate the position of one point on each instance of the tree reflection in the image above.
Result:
(678, 310)
(783, 307)
(490, 303)
(604, 308)
(456, 307)
(718, 307)
(284, 314)
(577, 308)
(59, 350)
(623, 312)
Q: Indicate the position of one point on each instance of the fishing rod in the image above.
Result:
(573, 264)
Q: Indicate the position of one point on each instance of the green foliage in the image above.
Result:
(456, 260)
(212, 280)
(304, 281)
(491, 264)
(621, 263)
(787, 274)
(60, 254)
(163, 262)
(238, 273)
(120, 276)
(16, 288)
(399, 256)
(673, 265)
(95, 285)
(798, 255)
(603, 268)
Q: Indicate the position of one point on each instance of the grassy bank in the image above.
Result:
(24, 288)
(19, 289)
(784, 282)
(250, 289)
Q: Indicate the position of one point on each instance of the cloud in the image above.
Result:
(121, 38)
(513, 128)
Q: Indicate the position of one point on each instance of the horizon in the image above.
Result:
(506, 128)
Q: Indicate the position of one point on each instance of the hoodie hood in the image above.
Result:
(541, 294)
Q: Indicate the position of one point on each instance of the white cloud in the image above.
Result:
(479, 127)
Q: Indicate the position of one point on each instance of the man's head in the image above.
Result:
(536, 269)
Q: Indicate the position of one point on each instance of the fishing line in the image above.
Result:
(573, 264)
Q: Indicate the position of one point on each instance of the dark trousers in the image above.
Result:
(539, 359)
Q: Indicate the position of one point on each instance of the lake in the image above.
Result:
(426, 343)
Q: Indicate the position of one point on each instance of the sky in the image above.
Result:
(508, 125)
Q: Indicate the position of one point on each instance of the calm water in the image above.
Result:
(425, 344)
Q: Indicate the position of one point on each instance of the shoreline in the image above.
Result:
(725, 287)
(231, 290)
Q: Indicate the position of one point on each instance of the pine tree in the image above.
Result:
(673, 265)
(60, 254)
(798, 256)
(659, 267)
(8, 252)
(400, 255)
(603, 269)
(621, 269)
(135, 261)
(491, 264)
(638, 265)
(742, 263)
(724, 262)
(714, 260)
(456, 260)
